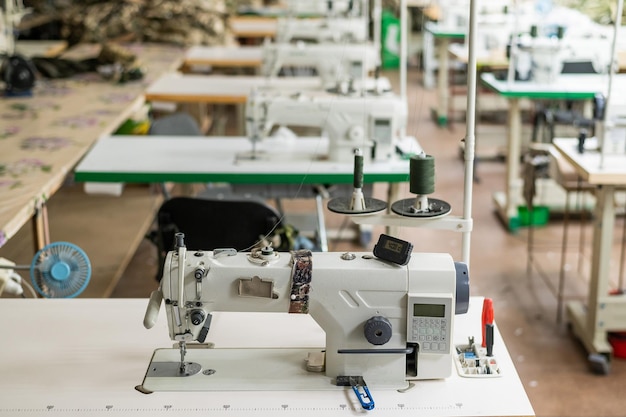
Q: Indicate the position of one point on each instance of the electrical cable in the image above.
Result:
(17, 278)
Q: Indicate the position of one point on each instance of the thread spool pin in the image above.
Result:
(357, 203)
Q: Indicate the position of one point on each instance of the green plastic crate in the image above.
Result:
(390, 40)
(538, 216)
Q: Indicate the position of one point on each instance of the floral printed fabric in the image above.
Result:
(43, 136)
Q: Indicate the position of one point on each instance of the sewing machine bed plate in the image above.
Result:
(268, 369)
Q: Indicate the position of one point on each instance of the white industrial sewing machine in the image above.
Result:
(543, 58)
(373, 123)
(324, 7)
(333, 62)
(16, 72)
(388, 317)
(345, 21)
(558, 40)
(325, 30)
(11, 13)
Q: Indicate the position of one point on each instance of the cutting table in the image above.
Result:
(89, 354)
(43, 137)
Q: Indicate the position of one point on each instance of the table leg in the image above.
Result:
(442, 82)
(507, 203)
(429, 58)
(590, 324)
(41, 231)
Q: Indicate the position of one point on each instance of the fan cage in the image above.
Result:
(50, 286)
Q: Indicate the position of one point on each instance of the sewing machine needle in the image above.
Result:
(183, 352)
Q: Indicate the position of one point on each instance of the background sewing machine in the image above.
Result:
(341, 22)
(542, 55)
(386, 320)
(332, 62)
(553, 39)
(328, 29)
(324, 7)
(374, 123)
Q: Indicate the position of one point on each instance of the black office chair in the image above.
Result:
(178, 124)
(208, 223)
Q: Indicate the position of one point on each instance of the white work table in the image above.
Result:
(253, 27)
(84, 357)
(224, 56)
(221, 89)
(223, 159)
(603, 312)
(233, 89)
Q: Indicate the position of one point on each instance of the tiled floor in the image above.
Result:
(551, 363)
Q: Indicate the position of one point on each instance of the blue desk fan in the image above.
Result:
(60, 270)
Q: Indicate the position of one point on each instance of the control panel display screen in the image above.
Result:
(430, 325)
(429, 310)
(382, 129)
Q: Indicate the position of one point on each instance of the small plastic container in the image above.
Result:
(618, 343)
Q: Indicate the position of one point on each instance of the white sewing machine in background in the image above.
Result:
(388, 317)
(11, 13)
(333, 62)
(374, 123)
(324, 7)
(16, 72)
(556, 39)
(342, 21)
(543, 58)
(328, 29)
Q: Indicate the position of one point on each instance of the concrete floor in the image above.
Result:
(550, 361)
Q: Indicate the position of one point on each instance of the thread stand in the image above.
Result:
(409, 208)
(422, 183)
(357, 203)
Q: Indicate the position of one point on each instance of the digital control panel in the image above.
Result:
(429, 323)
